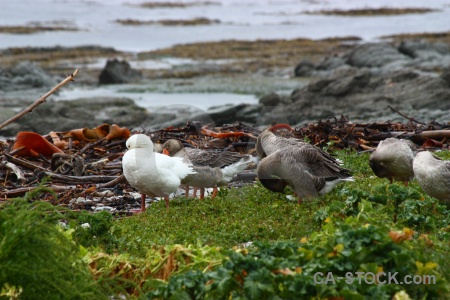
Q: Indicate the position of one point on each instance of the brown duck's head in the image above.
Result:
(379, 169)
(274, 184)
(279, 126)
(172, 146)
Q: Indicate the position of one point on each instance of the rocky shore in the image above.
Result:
(346, 77)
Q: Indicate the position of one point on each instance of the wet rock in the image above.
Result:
(25, 75)
(347, 81)
(220, 115)
(304, 68)
(274, 99)
(446, 75)
(249, 114)
(117, 71)
(416, 49)
(375, 55)
(330, 63)
(340, 83)
(361, 96)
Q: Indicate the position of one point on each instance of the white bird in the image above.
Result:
(213, 168)
(151, 173)
(305, 168)
(433, 175)
(393, 159)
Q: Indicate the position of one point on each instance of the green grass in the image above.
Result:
(234, 217)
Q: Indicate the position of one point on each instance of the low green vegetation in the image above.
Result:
(201, 249)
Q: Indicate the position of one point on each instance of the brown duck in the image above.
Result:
(393, 159)
(305, 168)
(433, 175)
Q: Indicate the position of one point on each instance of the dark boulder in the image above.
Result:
(117, 71)
(304, 68)
(274, 99)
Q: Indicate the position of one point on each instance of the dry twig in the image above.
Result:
(40, 100)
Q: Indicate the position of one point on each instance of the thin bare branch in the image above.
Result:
(40, 100)
(405, 116)
(112, 183)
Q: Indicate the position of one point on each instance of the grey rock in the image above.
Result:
(419, 48)
(25, 75)
(272, 99)
(117, 71)
(249, 114)
(340, 82)
(226, 114)
(446, 75)
(330, 63)
(361, 96)
(347, 84)
(374, 55)
(304, 68)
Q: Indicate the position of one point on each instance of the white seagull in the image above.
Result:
(151, 173)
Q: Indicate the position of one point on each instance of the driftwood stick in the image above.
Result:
(16, 170)
(79, 179)
(23, 162)
(416, 137)
(39, 101)
(91, 145)
(405, 116)
(112, 183)
(15, 192)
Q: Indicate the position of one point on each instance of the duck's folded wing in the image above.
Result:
(213, 158)
(446, 170)
(300, 177)
(318, 163)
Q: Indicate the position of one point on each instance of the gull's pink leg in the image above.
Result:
(142, 202)
(167, 202)
(214, 194)
(194, 193)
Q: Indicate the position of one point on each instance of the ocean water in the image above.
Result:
(238, 19)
